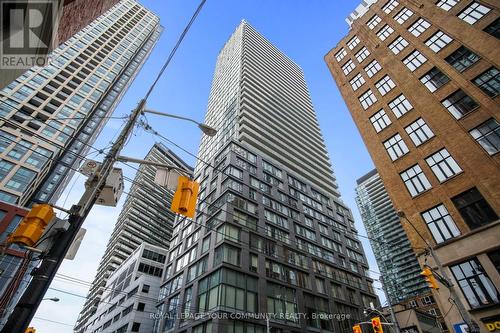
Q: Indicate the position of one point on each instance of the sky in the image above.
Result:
(304, 30)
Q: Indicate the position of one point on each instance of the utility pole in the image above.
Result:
(391, 310)
(472, 326)
(42, 276)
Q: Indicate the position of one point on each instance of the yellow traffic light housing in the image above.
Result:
(377, 325)
(30, 330)
(357, 329)
(429, 278)
(32, 226)
(185, 197)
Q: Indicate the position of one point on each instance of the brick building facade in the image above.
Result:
(421, 81)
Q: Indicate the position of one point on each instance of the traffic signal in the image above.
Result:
(377, 325)
(357, 329)
(30, 330)
(185, 197)
(32, 226)
(429, 277)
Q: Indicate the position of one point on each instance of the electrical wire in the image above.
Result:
(257, 190)
(70, 136)
(223, 234)
(149, 128)
(52, 321)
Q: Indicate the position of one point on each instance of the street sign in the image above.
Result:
(73, 249)
(167, 178)
(89, 167)
(461, 328)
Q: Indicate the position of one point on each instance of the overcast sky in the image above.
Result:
(304, 30)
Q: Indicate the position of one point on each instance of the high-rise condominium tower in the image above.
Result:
(421, 81)
(392, 249)
(145, 217)
(271, 233)
(50, 116)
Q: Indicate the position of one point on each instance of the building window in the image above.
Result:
(443, 165)
(229, 232)
(380, 120)
(340, 55)
(205, 245)
(353, 42)
(373, 68)
(389, 6)
(385, 32)
(400, 105)
(488, 135)
(282, 302)
(474, 283)
(434, 79)
(135, 327)
(403, 15)
(415, 180)
(396, 147)
(203, 328)
(419, 132)
(398, 45)
(495, 259)
(21, 180)
(494, 28)
(39, 157)
(254, 262)
(357, 82)
(5, 168)
(414, 60)
(428, 300)
(141, 306)
(440, 223)
(362, 54)
(367, 99)
(447, 4)
(19, 150)
(459, 104)
(122, 329)
(348, 67)
(475, 210)
(473, 13)
(462, 59)
(228, 254)
(438, 41)
(489, 82)
(419, 27)
(385, 85)
(373, 22)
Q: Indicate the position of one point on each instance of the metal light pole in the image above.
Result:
(53, 299)
(43, 275)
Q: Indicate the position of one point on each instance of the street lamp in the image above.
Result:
(210, 131)
(25, 309)
(53, 299)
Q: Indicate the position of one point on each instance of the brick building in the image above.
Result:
(421, 81)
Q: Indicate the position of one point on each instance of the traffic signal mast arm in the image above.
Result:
(161, 165)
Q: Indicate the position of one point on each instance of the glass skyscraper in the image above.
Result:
(50, 116)
(395, 257)
(271, 234)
